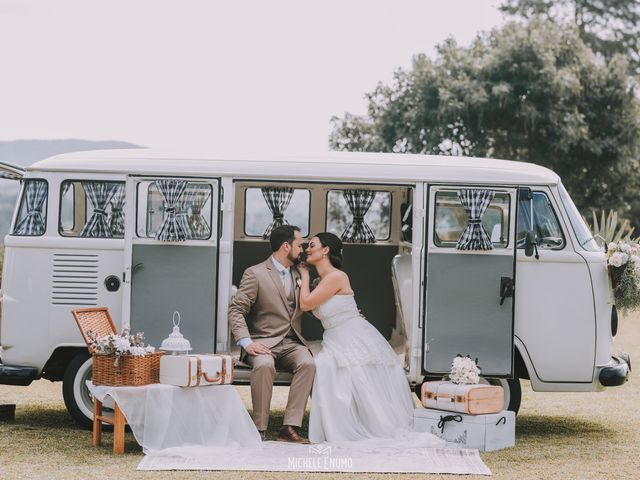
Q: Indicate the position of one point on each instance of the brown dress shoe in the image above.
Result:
(263, 435)
(289, 433)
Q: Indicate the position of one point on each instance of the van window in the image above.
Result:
(91, 209)
(580, 228)
(32, 212)
(192, 210)
(451, 219)
(371, 220)
(266, 207)
(537, 214)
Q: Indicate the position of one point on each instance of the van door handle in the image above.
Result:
(506, 288)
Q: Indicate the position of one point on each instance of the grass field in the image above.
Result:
(558, 436)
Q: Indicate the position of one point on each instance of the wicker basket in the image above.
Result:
(131, 370)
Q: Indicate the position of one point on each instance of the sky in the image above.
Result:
(214, 76)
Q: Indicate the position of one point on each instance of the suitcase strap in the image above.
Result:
(444, 396)
(204, 375)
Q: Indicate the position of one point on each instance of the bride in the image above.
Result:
(360, 391)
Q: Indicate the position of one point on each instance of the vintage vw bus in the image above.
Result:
(447, 256)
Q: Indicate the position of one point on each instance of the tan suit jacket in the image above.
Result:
(260, 308)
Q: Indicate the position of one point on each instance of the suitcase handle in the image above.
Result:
(448, 418)
(211, 380)
(204, 375)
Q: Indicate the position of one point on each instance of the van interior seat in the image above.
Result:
(401, 276)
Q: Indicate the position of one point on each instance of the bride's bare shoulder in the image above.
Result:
(337, 275)
(341, 280)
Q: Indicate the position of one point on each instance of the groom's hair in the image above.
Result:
(281, 234)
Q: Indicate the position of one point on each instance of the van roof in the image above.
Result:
(355, 166)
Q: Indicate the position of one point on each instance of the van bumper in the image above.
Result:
(616, 372)
(17, 375)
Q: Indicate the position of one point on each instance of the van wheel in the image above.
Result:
(512, 392)
(77, 397)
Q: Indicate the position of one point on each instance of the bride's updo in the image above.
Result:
(334, 243)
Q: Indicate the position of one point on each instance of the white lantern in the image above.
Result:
(175, 343)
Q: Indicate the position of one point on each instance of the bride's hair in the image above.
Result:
(334, 243)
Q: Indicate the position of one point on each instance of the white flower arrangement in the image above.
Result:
(623, 262)
(464, 371)
(119, 344)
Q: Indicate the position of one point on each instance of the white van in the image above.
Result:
(447, 256)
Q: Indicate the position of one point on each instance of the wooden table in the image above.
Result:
(118, 421)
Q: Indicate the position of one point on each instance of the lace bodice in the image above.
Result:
(337, 310)
(348, 337)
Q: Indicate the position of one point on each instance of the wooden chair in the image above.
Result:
(99, 322)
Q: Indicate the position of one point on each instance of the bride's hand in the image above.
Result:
(304, 270)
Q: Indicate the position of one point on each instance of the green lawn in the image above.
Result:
(558, 436)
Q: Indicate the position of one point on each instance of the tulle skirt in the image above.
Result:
(360, 392)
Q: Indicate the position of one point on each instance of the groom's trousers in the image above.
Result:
(290, 355)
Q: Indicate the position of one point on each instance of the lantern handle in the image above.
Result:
(174, 318)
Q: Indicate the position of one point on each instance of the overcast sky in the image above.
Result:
(210, 75)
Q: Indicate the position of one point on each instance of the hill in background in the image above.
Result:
(26, 152)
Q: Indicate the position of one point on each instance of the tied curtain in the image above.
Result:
(359, 202)
(33, 222)
(172, 228)
(116, 217)
(194, 197)
(100, 196)
(277, 199)
(475, 203)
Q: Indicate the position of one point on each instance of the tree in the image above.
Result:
(530, 92)
(607, 26)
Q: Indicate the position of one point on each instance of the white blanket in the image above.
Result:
(287, 457)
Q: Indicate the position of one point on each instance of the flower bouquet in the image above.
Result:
(464, 371)
(123, 359)
(623, 263)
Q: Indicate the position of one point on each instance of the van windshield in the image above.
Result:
(584, 235)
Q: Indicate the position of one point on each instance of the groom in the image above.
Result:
(265, 321)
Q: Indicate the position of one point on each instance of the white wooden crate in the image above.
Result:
(484, 432)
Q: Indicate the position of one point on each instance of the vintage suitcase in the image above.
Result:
(477, 399)
(196, 370)
(484, 432)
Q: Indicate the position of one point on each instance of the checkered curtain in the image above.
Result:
(116, 217)
(172, 228)
(359, 202)
(99, 195)
(475, 203)
(182, 210)
(198, 225)
(33, 223)
(193, 199)
(277, 199)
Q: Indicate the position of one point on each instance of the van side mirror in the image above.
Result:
(531, 244)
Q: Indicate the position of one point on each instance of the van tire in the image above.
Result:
(512, 392)
(77, 398)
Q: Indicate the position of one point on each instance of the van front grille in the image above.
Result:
(75, 279)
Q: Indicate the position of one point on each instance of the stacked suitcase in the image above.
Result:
(469, 416)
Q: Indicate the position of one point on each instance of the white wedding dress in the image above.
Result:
(360, 392)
